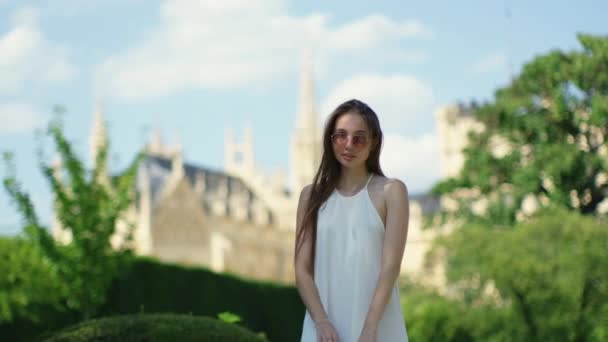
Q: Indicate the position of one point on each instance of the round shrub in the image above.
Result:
(154, 327)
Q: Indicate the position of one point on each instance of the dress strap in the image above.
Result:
(369, 179)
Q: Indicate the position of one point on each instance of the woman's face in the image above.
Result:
(351, 140)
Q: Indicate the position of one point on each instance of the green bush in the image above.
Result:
(31, 293)
(28, 284)
(154, 327)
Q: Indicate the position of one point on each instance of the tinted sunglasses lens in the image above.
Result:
(359, 141)
(338, 138)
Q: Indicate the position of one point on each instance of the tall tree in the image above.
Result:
(89, 210)
(551, 123)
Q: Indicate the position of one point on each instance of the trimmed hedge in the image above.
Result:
(149, 286)
(154, 287)
(157, 327)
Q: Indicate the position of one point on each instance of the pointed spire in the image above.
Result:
(177, 160)
(99, 134)
(247, 149)
(307, 115)
(156, 142)
(156, 145)
(306, 144)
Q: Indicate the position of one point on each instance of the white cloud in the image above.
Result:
(493, 62)
(19, 118)
(25, 16)
(238, 43)
(27, 56)
(403, 103)
(374, 29)
(413, 160)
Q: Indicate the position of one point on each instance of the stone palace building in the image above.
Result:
(242, 221)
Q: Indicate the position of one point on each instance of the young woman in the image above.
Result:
(351, 232)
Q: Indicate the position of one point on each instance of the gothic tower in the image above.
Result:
(306, 141)
(99, 140)
(99, 133)
(238, 157)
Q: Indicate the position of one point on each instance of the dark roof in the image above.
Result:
(428, 202)
(467, 109)
(159, 170)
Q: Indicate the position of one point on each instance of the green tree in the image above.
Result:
(547, 278)
(552, 121)
(88, 209)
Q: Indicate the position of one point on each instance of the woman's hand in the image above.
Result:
(368, 334)
(326, 332)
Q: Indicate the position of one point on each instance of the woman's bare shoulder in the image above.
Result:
(390, 186)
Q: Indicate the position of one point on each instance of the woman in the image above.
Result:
(351, 231)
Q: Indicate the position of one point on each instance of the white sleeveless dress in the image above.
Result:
(350, 235)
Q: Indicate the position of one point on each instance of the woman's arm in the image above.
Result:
(395, 237)
(303, 270)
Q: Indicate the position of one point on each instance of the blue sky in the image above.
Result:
(193, 68)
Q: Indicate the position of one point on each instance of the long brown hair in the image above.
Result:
(328, 173)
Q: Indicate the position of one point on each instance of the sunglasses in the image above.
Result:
(341, 138)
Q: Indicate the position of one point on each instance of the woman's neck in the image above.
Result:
(352, 179)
